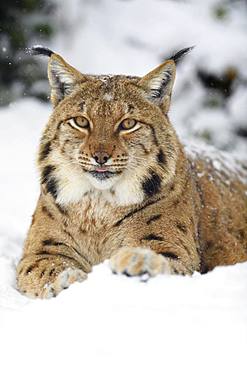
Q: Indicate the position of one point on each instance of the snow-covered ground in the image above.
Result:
(111, 322)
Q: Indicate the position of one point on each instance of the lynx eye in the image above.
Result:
(128, 124)
(82, 122)
(79, 123)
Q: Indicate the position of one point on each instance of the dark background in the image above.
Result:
(21, 22)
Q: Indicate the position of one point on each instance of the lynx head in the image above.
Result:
(107, 134)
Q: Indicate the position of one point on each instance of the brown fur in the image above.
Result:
(163, 212)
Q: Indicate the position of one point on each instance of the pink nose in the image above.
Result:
(101, 157)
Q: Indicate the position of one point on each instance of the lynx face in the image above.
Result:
(109, 133)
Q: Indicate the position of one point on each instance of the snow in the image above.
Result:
(107, 321)
(223, 162)
(110, 321)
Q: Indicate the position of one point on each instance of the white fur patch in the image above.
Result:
(72, 187)
(73, 184)
(127, 191)
(108, 97)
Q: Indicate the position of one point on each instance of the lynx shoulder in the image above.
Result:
(116, 183)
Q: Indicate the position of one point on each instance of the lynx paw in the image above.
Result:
(138, 262)
(63, 281)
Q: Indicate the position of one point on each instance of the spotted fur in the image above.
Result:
(116, 183)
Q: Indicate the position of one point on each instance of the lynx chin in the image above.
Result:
(116, 183)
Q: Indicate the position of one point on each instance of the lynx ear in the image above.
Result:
(62, 76)
(158, 84)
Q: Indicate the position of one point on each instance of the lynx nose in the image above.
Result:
(101, 157)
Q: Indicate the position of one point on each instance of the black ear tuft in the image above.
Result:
(176, 57)
(40, 50)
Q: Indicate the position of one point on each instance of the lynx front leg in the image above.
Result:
(45, 276)
(137, 261)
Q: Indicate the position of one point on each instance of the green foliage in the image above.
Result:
(221, 12)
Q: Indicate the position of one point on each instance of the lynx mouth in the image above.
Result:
(102, 172)
(103, 175)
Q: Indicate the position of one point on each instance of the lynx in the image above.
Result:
(117, 184)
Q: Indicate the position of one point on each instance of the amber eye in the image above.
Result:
(79, 122)
(127, 124)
